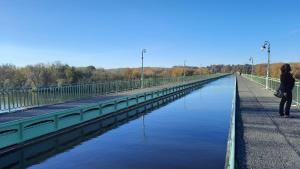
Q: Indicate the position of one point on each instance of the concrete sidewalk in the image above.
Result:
(264, 140)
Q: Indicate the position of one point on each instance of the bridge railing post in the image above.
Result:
(8, 101)
(1, 99)
(298, 91)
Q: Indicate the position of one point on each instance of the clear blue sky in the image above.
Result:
(112, 33)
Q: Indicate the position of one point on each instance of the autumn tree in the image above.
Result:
(177, 71)
(201, 71)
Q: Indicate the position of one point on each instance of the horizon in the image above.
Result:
(145, 67)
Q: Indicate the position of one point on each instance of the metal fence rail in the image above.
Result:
(13, 99)
(17, 131)
(230, 154)
(274, 85)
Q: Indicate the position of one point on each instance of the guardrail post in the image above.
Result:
(116, 86)
(13, 98)
(298, 101)
(8, 101)
(37, 97)
(1, 95)
(61, 94)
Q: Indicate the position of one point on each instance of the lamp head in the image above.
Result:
(144, 50)
(263, 47)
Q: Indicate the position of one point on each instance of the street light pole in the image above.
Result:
(184, 69)
(251, 59)
(267, 46)
(142, 74)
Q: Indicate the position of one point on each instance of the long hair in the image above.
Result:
(286, 68)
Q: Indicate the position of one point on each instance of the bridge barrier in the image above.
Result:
(230, 154)
(18, 131)
(273, 85)
(15, 99)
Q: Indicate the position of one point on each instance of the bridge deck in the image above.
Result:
(264, 139)
(27, 113)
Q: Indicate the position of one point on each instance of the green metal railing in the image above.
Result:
(274, 85)
(14, 99)
(230, 155)
(17, 131)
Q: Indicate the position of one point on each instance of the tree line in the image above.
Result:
(261, 69)
(43, 75)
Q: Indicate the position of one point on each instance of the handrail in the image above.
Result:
(230, 154)
(274, 85)
(19, 98)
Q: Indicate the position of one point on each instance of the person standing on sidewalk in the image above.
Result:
(287, 83)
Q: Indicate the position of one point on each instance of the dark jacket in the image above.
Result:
(287, 82)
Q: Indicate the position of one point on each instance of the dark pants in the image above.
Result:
(287, 100)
